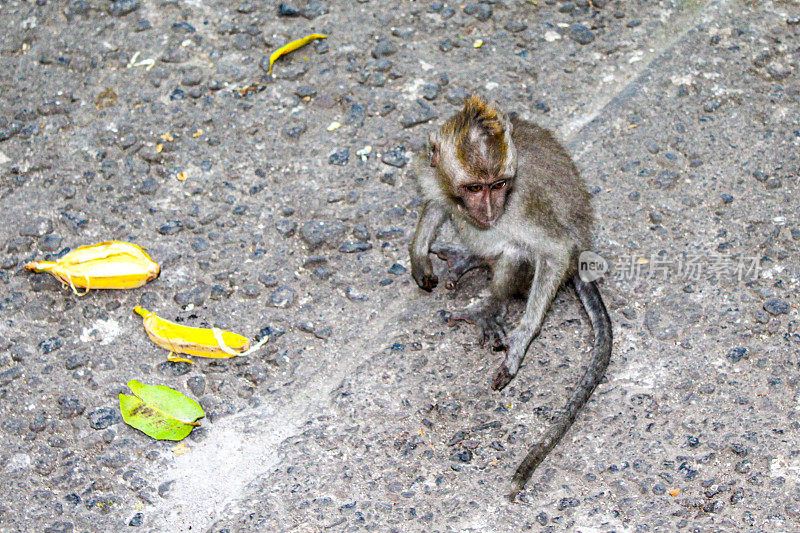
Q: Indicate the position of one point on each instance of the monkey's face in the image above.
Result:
(483, 201)
(474, 182)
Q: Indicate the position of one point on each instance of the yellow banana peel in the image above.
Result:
(292, 46)
(107, 265)
(202, 342)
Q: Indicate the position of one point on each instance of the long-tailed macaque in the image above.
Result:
(519, 205)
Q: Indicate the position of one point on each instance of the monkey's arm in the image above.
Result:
(432, 217)
(550, 271)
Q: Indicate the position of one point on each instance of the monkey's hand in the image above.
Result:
(459, 261)
(422, 272)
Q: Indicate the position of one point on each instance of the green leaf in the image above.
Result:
(159, 412)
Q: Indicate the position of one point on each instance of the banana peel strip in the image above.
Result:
(292, 46)
(106, 265)
(200, 342)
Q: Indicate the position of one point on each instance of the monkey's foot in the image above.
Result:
(501, 378)
(489, 320)
(459, 261)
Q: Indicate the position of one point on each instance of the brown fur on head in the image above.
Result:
(478, 134)
(475, 160)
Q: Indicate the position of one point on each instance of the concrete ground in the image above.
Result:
(154, 121)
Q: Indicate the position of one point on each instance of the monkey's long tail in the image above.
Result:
(601, 354)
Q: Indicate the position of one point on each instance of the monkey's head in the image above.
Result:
(475, 161)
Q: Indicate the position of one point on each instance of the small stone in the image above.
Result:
(70, 407)
(38, 423)
(419, 114)
(60, 527)
(288, 10)
(515, 26)
(9, 375)
(395, 157)
(196, 295)
(323, 273)
(50, 243)
(286, 228)
(354, 294)
(120, 8)
(581, 34)
(39, 227)
(294, 130)
(463, 456)
(712, 105)
(183, 27)
(148, 186)
(50, 345)
(173, 368)
(773, 183)
(726, 198)
(482, 12)
(165, 487)
(430, 91)
(75, 361)
(316, 233)
(776, 306)
(192, 76)
(384, 48)
(281, 297)
(566, 503)
(354, 247)
(197, 385)
(268, 280)
(251, 290)
(200, 245)
(456, 96)
(736, 354)
(103, 418)
(171, 227)
(305, 91)
(175, 55)
(397, 269)
(355, 115)
(137, 520)
(314, 9)
(666, 179)
(339, 157)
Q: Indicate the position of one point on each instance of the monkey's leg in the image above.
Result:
(549, 273)
(459, 261)
(431, 219)
(488, 315)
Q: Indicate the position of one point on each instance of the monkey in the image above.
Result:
(519, 205)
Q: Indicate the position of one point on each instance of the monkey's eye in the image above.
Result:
(474, 188)
(498, 185)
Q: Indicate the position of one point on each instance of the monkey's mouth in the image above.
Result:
(483, 223)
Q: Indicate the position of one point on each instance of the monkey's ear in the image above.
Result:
(433, 148)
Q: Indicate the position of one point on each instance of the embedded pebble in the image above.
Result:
(103, 418)
(281, 297)
(316, 233)
(395, 157)
(776, 306)
(581, 34)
